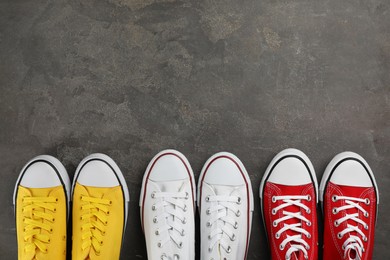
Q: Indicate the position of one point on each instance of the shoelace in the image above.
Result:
(170, 208)
(353, 242)
(165, 257)
(34, 212)
(296, 241)
(223, 219)
(94, 218)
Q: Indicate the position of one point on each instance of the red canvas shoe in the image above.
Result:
(350, 198)
(289, 197)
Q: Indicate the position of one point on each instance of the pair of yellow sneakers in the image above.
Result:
(42, 204)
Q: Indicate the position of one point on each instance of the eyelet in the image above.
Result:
(235, 225)
(308, 236)
(308, 211)
(281, 247)
(273, 199)
(367, 201)
(365, 239)
(366, 227)
(277, 236)
(208, 212)
(208, 224)
(155, 220)
(157, 232)
(339, 236)
(334, 211)
(207, 198)
(274, 224)
(153, 195)
(233, 237)
(308, 198)
(153, 207)
(185, 208)
(273, 211)
(159, 244)
(182, 233)
(336, 223)
(180, 245)
(238, 213)
(239, 200)
(366, 214)
(334, 198)
(184, 221)
(308, 223)
(229, 249)
(187, 196)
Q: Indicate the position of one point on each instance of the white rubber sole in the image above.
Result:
(334, 162)
(54, 162)
(151, 163)
(247, 179)
(113, 165)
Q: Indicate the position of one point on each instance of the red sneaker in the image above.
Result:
(349, 196)
(289, 197)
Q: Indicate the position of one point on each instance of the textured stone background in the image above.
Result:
(132, 77)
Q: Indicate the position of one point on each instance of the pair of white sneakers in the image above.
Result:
(167, 203)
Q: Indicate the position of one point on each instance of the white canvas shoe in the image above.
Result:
(167, 205)
(225, 202)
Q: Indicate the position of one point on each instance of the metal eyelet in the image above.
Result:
(365, 239)
(367, 201)
(281, 247)
(185, 208)
(366, 214)
(187, 196)
(238, 213)
(153, 195)
(334, 198)
(155, 220)
(239, 200)
(157, 232)
(308, 236)
(339, 236)
(182, 232)
(208, 224)
(229, 249)
(208, 212)
(180, 245)
(308, 211)
(308, 198)
(334, 211)
(235, 225)
(159, 244)
(274, 224)
(233, 237)
(273, 211)
(336, 223)
(153, 207)
(273, 199)
(207, 198)
(366, 227)
(184, 221)
(308, 223)
(277, 236)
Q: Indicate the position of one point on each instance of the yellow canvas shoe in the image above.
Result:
(100, 205)
(41, 208)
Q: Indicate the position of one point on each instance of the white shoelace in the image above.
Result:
(222, 219)
(353, 242)
(171, 207)
(165, 257)
(296, 241)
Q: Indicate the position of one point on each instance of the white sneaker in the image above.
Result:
(225, 204)
(167, 205)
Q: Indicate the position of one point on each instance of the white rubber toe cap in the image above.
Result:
(224, 171)
(351, 173)
(168, 167)
(290, 171)
(40, 175)
(97, 173)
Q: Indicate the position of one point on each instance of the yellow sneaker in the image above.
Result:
(100, 206)
(41, 208)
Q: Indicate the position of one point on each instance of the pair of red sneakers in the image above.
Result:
(349, 199)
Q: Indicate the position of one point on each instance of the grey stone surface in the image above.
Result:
(132, 77)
